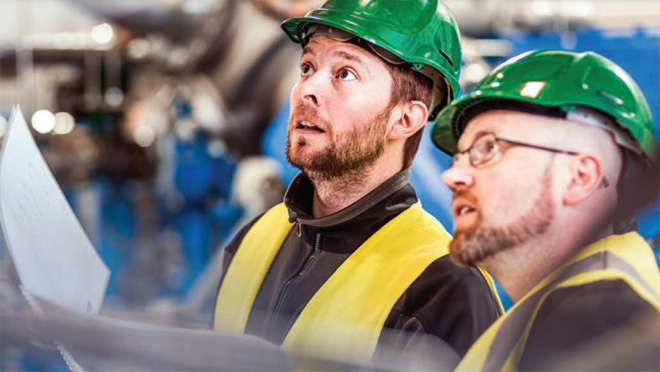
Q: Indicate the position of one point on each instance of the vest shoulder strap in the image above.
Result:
(346, 316)
(248, 269)
(598, 266)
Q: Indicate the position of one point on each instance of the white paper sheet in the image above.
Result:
(51, 252)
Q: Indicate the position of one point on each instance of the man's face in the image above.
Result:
(339, 110)
(506, 202)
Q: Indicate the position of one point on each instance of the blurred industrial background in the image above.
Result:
(164, 122)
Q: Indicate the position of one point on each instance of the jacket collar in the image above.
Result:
(299, 196)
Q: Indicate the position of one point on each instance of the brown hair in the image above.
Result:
(409, 85)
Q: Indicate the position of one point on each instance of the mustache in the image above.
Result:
(466, 195)
(309, 114)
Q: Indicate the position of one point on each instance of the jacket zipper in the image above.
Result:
(287, 285)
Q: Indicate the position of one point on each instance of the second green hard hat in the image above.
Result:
(556, 78)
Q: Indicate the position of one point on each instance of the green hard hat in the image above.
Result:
(559, 79)
(420, 32)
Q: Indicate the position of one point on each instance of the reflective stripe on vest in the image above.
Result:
(347, 314)
(601, 265)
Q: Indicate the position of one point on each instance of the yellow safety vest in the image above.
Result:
(346, 316)
(617, 257)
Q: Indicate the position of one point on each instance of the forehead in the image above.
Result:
(325, 47)
(506, 124)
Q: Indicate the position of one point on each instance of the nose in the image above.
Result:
(459, 176)
(309, 89)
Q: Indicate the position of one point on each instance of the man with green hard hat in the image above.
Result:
(552, 153)
(350, 261)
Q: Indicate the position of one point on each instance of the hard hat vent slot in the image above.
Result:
(442, 53)
(617, 101)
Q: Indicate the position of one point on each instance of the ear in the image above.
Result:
(413, 118)
(586, 178)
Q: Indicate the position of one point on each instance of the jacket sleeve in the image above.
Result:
(452, 303)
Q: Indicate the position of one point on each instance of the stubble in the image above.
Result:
(473, 246)
(348, 156)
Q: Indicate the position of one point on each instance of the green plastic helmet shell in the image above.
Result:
(561, 79)
(422, 32)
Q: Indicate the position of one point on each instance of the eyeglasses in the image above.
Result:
(486, 149)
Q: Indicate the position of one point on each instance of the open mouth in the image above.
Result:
(307, 126)
(462, 210)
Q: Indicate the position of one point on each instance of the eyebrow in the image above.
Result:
(352, 57)
(348, 56)
(307, 50)
(474, 138)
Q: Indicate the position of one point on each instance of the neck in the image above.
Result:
(515, 271)
(333, 195)
(521, 268)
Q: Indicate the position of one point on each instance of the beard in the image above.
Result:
(349, 153)
(473, 246)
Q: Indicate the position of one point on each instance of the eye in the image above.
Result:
(346, 75)
(490, 147)
(306, 69)
(483, 150)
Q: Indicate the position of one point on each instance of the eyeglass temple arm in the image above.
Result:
(604, 182)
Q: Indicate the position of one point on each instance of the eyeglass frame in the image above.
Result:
(456, 157)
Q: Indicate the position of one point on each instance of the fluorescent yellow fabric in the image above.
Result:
(347, 314)
(248, 269)
(630, 248)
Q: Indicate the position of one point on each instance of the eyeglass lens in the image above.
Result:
(482, 150)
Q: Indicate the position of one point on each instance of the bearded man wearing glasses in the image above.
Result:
(552, 153)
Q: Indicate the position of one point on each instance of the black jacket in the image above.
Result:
(446, 301)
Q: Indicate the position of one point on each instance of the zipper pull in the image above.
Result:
(299, 230)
